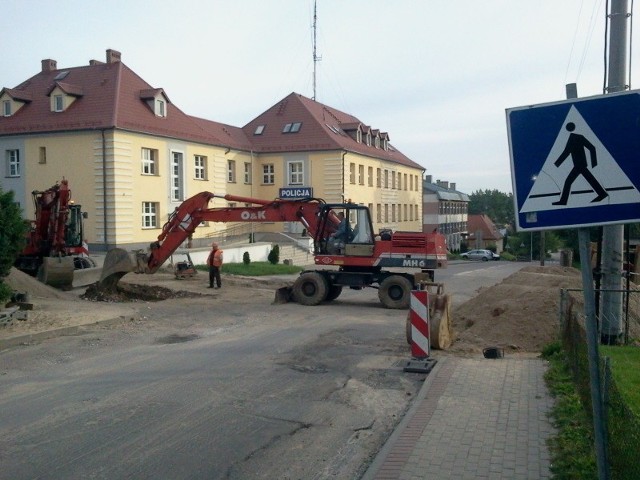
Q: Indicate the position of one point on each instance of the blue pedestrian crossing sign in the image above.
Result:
(576, 163)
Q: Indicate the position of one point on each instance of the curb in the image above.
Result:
(376, 466)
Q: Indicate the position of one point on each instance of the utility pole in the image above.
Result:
(316, 58)
(613, 235)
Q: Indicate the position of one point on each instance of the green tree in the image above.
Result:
(246, 259)
(498, 206)
(12, 238)
(274, 255)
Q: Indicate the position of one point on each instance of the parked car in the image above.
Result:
(480, 254)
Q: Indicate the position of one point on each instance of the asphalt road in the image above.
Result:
(197, 389)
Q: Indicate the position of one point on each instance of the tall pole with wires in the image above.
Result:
(316, 58)
(613, 235)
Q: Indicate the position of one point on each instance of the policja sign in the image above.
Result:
(576, 163)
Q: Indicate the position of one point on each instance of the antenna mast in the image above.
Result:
(316, 58)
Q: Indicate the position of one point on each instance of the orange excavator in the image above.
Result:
(346, 250)
(54, 244)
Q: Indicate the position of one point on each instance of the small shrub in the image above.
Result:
(274, 255)
(246, 259)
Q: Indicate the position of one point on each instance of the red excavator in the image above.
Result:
(343, 239)
(55, 240)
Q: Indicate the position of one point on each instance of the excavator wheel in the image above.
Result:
(117, 263)
(334, 292)
(57, 272)
(310, 288)
(395, 292)
(441, 335)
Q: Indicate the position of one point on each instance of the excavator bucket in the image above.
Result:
(283, 295)
(117, 263)
(57, 272)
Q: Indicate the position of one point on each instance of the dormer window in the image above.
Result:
(368, 139)
(63, 95)
(12, 100)
(156, 100)
(359, 136)
(6, 108)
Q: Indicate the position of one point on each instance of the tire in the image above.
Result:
(485, 259)
(334, 292)
(80, 263)
(395, 292)
(310, 289)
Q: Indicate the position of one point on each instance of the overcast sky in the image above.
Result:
(437, 75)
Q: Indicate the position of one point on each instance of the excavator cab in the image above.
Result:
(344, 229)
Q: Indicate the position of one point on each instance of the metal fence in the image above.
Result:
(621, 424)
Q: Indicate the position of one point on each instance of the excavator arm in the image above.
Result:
(192, 212)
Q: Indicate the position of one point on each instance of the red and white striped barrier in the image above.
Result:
(419, 317)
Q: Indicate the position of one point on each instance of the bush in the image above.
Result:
(507, 256)
(274, 255)
(12, 238)
(246, 259)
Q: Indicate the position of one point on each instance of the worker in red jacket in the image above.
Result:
(214, 261)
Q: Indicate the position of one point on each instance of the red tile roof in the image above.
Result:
(111, 95)
(484, 224)
(322, 129)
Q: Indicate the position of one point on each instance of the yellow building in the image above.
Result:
(131, 156)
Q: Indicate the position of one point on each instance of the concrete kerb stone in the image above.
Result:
(376, 466)
(30, 338)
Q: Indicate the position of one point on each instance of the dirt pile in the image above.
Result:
(519, 314)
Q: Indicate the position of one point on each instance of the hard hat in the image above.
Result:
(214, 245)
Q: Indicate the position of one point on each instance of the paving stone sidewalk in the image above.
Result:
(473, 419)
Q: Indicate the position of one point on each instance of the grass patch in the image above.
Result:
(572, 449)
(625, 368)
(256, 269)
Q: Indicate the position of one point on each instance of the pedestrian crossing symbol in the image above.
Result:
(576, 163)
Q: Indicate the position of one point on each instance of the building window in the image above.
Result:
(247, 173)
(58, 103)
(292, 127)
(393, 180)
(42, 158)
(386, 179)
(359, 136)
(6, 108)
(268, 174)
(177, 180)
(393, 212)
(160, 108)
(149, 215)
(370, 176)
(149, 160)
(231, 171)
(361, 174)
(296, 173)
(405, 181)
(13, 163)
(200, 167)
(378, 213)
(352, 173)
(406, 218)
(259, 130)
(386, 213)
(379, 177)
(399, 181)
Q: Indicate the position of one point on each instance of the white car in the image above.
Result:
(480, 254)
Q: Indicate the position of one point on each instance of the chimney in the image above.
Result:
(113, 56)
(445, 184)
(95, 62)
(428, 178)
(452, 186)
(49, 65)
